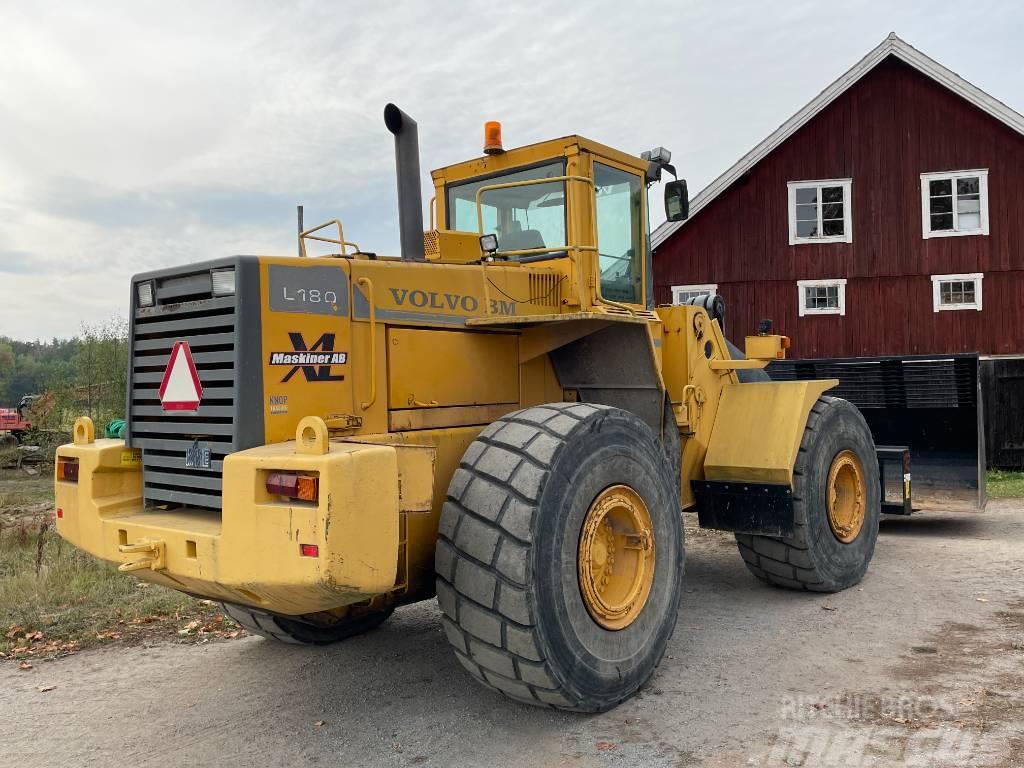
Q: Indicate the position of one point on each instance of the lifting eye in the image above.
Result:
(698, 326)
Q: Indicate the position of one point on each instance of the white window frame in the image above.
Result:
(926, 211)
(847, 185)
(938, 280)
(710, 288)
(801, 299)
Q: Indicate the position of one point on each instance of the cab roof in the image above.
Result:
(534, 153)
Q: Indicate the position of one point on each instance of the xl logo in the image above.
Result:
(315, 362)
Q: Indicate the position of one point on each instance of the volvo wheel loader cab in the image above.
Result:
(499, 416)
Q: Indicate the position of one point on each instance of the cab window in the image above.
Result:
(619, 233)
(523, 218)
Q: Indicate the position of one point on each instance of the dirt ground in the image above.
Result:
(922, 665)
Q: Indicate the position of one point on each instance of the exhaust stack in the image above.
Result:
(407, 169)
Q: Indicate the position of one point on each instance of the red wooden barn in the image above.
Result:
(885, 218)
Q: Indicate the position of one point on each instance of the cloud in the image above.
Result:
(166, 208)
(143, 135)
(18, 263)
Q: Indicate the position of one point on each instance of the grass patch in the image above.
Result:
(18, 490)
(1005, 484)
(54, 598)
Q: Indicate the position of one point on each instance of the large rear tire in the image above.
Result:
(297, 632)
(836, 504)
(560, 556)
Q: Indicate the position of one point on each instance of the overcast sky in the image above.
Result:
(139, 135)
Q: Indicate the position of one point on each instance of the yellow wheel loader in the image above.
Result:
(500, 416)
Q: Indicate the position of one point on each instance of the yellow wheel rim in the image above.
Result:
(616, 557)
(847, 496)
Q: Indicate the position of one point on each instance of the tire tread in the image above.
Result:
(502, 668)
(785, 562)
(295, 632)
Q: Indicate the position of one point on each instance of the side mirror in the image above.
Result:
(677, 200)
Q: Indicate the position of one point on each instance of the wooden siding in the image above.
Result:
(888, 129)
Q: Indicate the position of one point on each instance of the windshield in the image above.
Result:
(523, 218)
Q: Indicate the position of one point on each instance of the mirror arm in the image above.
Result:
(654, 170)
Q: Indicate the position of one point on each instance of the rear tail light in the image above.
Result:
(294, 486)
(60, 513)
(309, 550)
(67, 469)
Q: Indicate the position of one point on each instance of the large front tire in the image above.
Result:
(836, 505)
(532, 604)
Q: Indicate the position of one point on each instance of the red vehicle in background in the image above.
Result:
(14, 422)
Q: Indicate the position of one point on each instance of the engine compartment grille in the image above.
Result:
(187, 311)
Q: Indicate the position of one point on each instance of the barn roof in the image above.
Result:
(891, 46)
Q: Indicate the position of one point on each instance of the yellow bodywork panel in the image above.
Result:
(768, 347)
(758, 430)
(451, 245)
(431, 368)
(290, 322)
(694, 389)
(355, 523)
(446, 446)
(364, 491)
(106, 485)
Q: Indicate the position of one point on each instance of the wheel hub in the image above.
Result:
(846, 496)
(615, 560)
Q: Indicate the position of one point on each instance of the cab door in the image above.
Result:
(621, 217)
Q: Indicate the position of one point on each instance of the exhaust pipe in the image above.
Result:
(407, 169)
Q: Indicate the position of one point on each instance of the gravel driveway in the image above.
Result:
(922, 665)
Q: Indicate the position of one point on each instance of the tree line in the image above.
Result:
(83, 376)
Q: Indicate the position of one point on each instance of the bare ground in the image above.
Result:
(922, 665)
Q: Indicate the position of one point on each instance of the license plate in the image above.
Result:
(197, 456)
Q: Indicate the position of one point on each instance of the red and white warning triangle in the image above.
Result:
(180, 389)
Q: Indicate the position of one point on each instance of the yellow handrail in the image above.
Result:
(308, 234)
(368, 284)
(572, 250)
(528, 183)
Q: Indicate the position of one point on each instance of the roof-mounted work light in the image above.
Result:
(658, 155)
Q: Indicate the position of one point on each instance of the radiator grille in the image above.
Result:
(208, 324)
(431, 244)
(544, 290)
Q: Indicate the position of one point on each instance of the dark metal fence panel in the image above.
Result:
(930, 403)
(1002, 386)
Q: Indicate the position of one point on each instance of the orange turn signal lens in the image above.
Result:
(307, 488)
(492, 138)
(67, 469)
(294, 486)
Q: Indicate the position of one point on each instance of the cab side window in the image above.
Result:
(619, 233)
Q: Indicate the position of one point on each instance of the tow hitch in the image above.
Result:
(152, 555)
